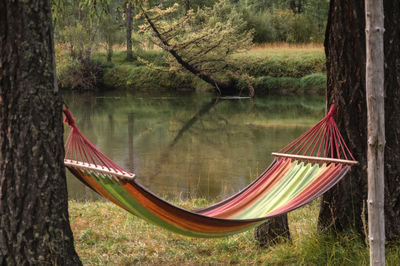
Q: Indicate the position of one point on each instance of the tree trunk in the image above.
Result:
(128, 21)
(376, 129)
(34, 225)
(343, 207)
(392, 121)
(109, 52)
(272, 231)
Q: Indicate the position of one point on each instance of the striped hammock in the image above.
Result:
(301, 172)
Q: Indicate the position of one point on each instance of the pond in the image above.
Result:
(188, 145)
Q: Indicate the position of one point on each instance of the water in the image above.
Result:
(182, 146)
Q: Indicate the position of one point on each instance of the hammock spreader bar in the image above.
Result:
(296, 177)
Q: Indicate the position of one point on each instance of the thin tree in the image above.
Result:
(128, 24)
(34, 225)
(376, 129)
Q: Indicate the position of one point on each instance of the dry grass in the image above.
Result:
(289, 46)
(285, 50)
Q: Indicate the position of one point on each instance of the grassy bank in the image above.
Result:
(106, 235)
(280, 69)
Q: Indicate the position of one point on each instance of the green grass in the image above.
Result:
(106, 235)
(282, 61)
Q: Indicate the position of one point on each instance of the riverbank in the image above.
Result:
(279, 70)
(106, 235)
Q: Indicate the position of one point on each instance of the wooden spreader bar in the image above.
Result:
(314, 158)
(96, 168)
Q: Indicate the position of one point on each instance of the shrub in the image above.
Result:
(310, 84)
(260, 24)
(315, 83)
(143, 77)
(83, 75)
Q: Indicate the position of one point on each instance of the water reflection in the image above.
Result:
(189, 145)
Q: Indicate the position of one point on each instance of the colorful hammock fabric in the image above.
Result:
(297, 176)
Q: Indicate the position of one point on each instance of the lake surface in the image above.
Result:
(182, 146)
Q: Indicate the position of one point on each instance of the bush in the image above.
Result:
(143, 77)
(284, 67)
(83, 75)
(261, 24)
(315, 83)
(310, 84)
(282, 25)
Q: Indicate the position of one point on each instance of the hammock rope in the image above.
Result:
(297, 176)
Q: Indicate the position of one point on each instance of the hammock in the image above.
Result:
(300, 172)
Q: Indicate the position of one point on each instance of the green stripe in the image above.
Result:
(297, 179)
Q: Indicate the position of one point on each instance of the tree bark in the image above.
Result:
(376, 129)
(343, 207)
(128, 21)
(272, 231)
(34, 225)
(109, 52)
(392, 121)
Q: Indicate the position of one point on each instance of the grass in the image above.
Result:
(106, 235)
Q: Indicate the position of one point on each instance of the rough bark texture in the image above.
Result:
(343, 207)
(34, 226)
(128, 21)
(392, 119)
(274, 230)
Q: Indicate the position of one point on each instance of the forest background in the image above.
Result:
(280, 49)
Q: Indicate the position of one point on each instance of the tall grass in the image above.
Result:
(106, 235)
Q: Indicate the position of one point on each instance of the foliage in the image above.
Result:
(199, 42)
(142, 77)
(276, 21)
(75, 74)
(310, 84)
(276, 71)
(260, 23)
(110, 30)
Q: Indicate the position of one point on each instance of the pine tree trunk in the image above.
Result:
(392, 121)
(34, 225)
(128, 18)
(272, 231)
(344, 206)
